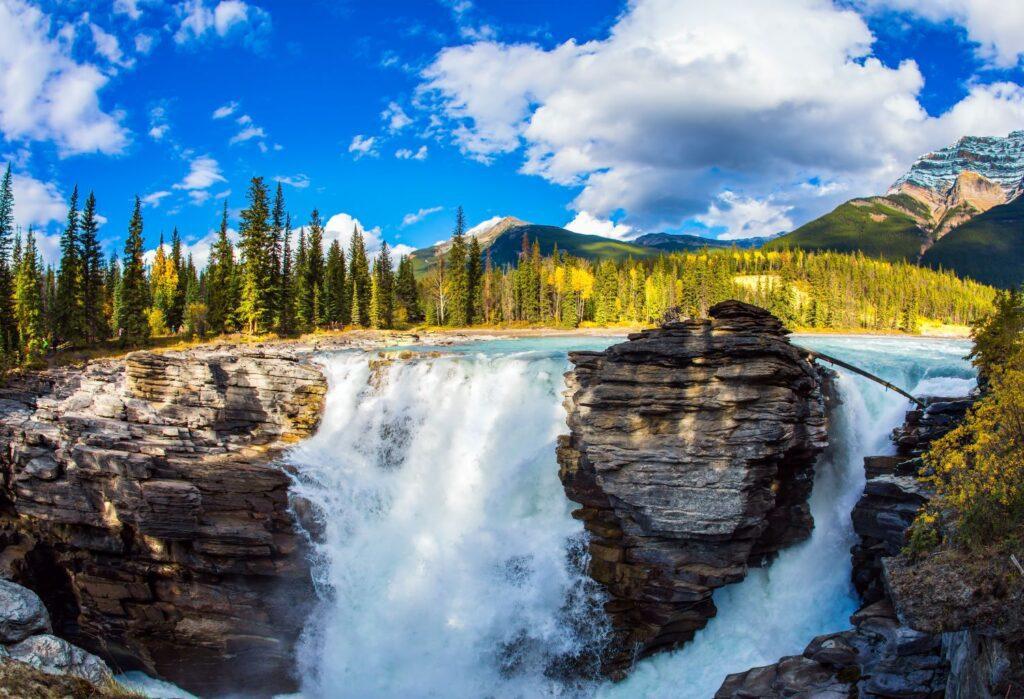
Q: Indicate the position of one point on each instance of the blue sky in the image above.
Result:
(728, 119)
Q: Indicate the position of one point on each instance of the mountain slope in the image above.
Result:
(989, 248)
(679, 242)
(877, 227)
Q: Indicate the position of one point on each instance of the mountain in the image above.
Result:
(942, 193)
(672, 242)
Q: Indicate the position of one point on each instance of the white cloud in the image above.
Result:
(154, 198)
(199, 20)
(411, 218)
(249, 131)
(395, 117)
(225, 110)
(340, 227)
(247, 134)
(591, 225)
(144, 43)
(299, 181)
(408, 154)
(37, 203)
(997, 27)
(744, 217)
(363, 146)
(158, 126)
(128, 7)
(109, 47)
(684, 101)
(484, 226)
(45, 94)
(203, 173)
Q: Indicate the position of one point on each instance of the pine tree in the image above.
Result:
(221, 284)
(314, 271)
(474, 283)
(132, 324)
(112, 292)
(69, 309)
(303, 297)
(286, 319)
(458, 272)
(28, 303)
(278, 232)
(93, 274)
(8, 267)
(382, 304)
(334, 286)
(255, 240)
(359, 279)
(176, 311)
(406, 293)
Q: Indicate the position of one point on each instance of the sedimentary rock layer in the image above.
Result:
(141, 500)
(691, 453)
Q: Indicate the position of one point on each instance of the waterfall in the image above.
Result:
(448, 564)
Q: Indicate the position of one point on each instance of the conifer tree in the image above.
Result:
(334, 285)
(314, 272)
(93, 275)
(382, 304)
(359, 279)
(458, 272)
(8, 267)
(112, 295)
(406, 292)
(28, 303)
(163, 284)
(132, 324)
(286, 302)
(176, 312)
(474, 283)
(376, 316)
(69, 309)
(255, 240)
(221, 284)
(303, 297)
(278, 232)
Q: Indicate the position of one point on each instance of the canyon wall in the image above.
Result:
(141, 500)
(691, 453)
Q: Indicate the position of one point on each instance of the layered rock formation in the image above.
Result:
(141, 501)
(691, 453)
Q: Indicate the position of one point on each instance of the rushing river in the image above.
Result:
(449, 565)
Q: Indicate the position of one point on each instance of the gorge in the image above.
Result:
(441, 545)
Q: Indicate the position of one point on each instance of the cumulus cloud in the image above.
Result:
(158, 126)
(47, 95)
(225, 110)
(38, 203)
(591, 225)
(745, 217)
(409, 154)
(203, 173)
(685, 101)
(299, 181)
(997, 27)
(362, 146)
(109, 47)
(199, 20)
(395, 117)
(153, 199)
(417, 216)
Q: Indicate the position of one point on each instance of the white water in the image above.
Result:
(447, 564)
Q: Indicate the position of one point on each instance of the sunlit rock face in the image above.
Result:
(997, 159)
(142, 501)
(691, 452)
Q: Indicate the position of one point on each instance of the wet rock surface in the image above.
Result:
(141, 499)
(691, 453)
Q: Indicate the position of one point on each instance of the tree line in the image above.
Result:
(263, 284)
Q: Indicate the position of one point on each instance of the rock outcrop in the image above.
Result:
(141, 500)
(691, 452)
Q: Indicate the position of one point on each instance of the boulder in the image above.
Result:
(55, 656)
(21, 613)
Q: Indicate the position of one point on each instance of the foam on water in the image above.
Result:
(450, 567)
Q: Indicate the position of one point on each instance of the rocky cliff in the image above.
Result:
(141, 501)
(691, 453)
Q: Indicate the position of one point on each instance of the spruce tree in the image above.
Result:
(132, 324)
(376, 312)
(286, 319)
(314, 272)
(474, 283)
(303, 298)
(278, 232)
(221, 283)
(406, 293)
(334, 285)
(458, 272)
(28, 303)
(383, 297)
(359, 279)
(93, 275)
(69, 309)
(8, 267)
(176, 312)
(255, 240)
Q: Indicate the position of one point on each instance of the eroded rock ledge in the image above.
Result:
(141, 501)
(691, 453)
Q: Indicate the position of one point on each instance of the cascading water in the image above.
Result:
(448, 563)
